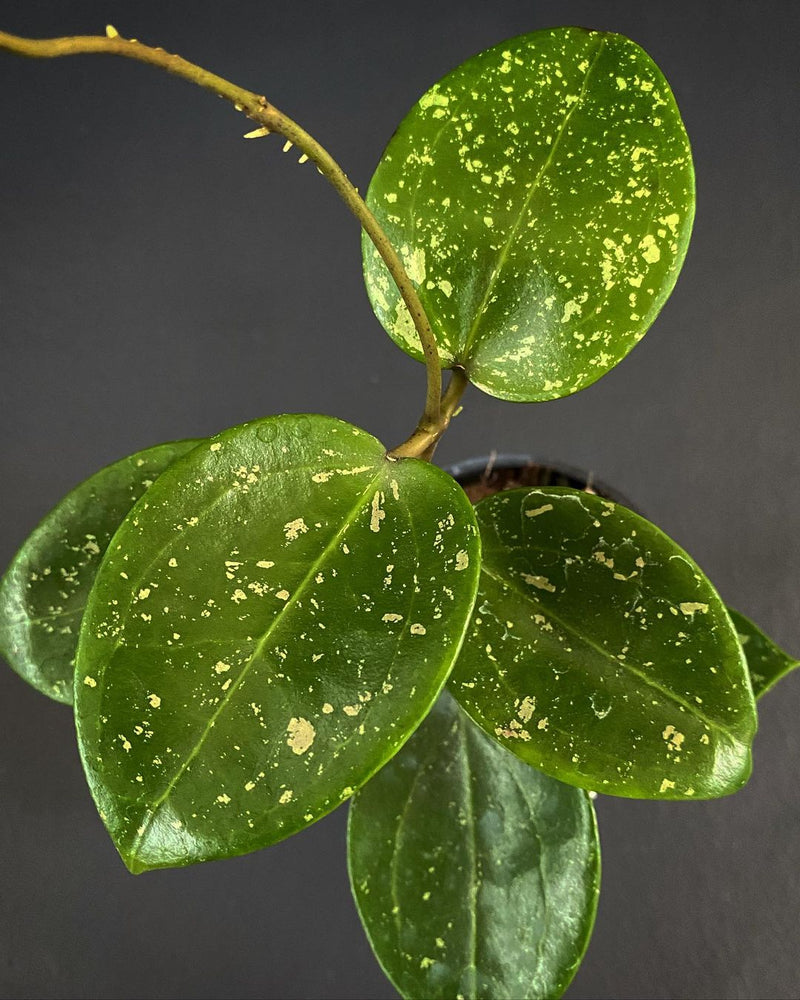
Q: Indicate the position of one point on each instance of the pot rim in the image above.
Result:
(473, 469)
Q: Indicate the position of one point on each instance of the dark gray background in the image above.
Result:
(161, 278)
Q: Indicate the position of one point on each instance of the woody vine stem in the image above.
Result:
(439, 408)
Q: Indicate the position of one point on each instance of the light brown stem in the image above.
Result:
(257, 108)
(423, 441)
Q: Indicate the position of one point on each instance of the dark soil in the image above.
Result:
(495, 478)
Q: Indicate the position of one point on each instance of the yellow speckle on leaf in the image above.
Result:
(673, 737)
(293, 529)
(286, 796)
(155, 701)
(90, 681)
(650, 250)
(224, 799)
(666, 784)
(689, 607)
(462, 560)
(433, 99)
(539, 510)
(215, 446)
(378, 514)
(541, 582)
(300, 735)
(525, 710)
(391, 617)
(417, 629)
(221, 667)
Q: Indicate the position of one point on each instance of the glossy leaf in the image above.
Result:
(271, 622)
(475, 875)
(44, 591)
(600, 653)
(766, 662)
(542, 198)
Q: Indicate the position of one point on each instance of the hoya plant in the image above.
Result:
(255, 627)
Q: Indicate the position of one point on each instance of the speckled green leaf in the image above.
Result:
(600, 653)
(766, 662)
(44, 591)
(270, 623)
(475, 875)
(542, 197)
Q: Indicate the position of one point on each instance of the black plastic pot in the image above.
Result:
(497, 472)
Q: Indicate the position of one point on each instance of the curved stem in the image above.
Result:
(423, 441)
(257, 108)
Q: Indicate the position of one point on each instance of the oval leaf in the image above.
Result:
(270, 623)
(44, 591)
(600, 653)
(542, 197)
(474, 874)
(766, 662)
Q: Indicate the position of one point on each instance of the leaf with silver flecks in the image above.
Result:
(474, 874)
(766, 662)
(542, 197)
(600, 653)
(44, 591)
(270, 623)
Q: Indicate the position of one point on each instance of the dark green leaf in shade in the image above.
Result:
(600, 653)
(270, 623)
(541, 196)
(766, 662)
(475, 875)
(44, 591)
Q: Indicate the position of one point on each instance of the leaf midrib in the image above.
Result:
(623, 664)
(472, 850)
(506, 248)
(154, 807)
(172, 539)
(540, 858)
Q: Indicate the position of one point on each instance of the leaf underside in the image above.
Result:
(600, 653)
(43, 593)
(270, 624)
(542, 197)
(766, 661)
(474, 874)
